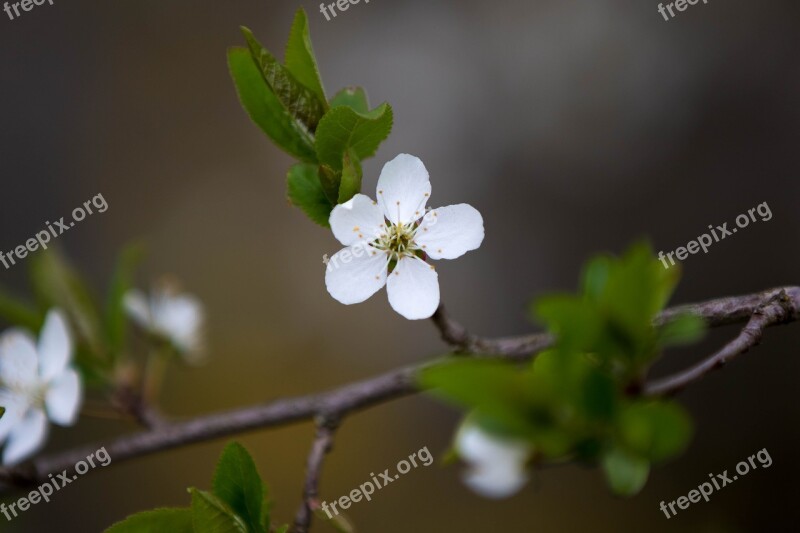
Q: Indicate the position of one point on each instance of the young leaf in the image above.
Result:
(351, 177)
(301, 103)
(655, 430)
(237, 483)
(343, 129)
(212, 515)
(266, 110)
(19, 313)
(305, 192)
(353, 97)
(626, 474)
(496, 391)
(116, 321)
(157, 521)
(300, 59)
(56, 284)
(682, 330)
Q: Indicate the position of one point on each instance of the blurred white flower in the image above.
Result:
(496, 464)
(397, 231)
(176, 317)
(37, 382)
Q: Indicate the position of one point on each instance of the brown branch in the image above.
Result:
(779, 308)
(321, 447)
(340, 402)
(463, 342)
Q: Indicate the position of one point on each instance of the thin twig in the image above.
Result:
(779, 309)
(323, 443)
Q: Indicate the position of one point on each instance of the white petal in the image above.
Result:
(63, 398)
(495, 481)
(26, 438)
(181, 319)
(450, 232)
(356, 273)
(413, 288)
(477, 446)
(357, 220)
(19, 361)
(403, 189)
(497, 465)
(55, 346)
(137, 307)
(15, 407)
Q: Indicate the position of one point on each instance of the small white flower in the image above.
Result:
(36, 383)
(396, 231)
(496, 465)
(176, 317)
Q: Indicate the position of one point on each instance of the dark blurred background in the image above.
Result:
(573, 126)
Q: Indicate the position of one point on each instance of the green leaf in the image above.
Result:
(116, 322)
(595, 277)
(266, 110)
(473, 383)
(498, 392)
(576, 323)
(305, 191)
(655, 430)
(684, 329)
(282, 529)
(212, 515)
(300, 101)
(19, 313)
(300, 59)
(353, 97)
(342, 129)
(237, 483)
(351, 177)
(157, 521)
(56, 284)
(626, 474)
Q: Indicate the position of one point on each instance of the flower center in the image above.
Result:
(398, 240)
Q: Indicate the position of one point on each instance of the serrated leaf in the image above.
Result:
(266, 110)
(156, 521)
(300, 59)
(116, 322)
(331, 181)
(351, 177)
(682, 330)
(237, 483)
(342, 129)
(353, 97)
(300, 101)
(212, 515)
(655, 430)
(626, 473)
(305, 191)
(56, 284)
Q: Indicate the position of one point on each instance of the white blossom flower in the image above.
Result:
(166, 313)
(496, 464)
(388, 241)
(37, 382)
